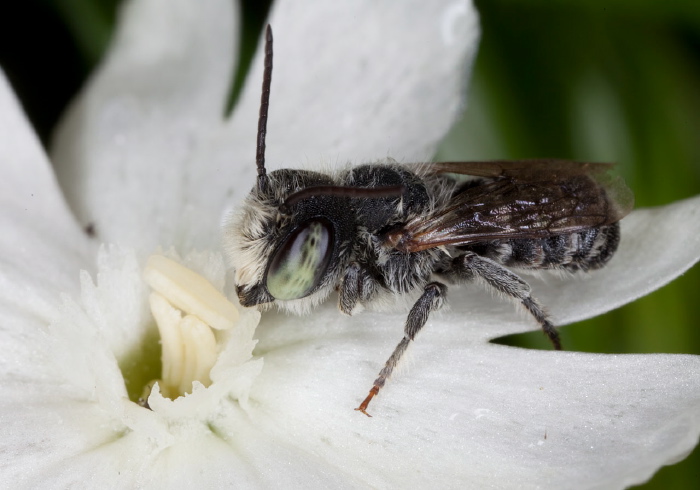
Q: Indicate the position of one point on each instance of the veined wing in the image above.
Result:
(518, 199)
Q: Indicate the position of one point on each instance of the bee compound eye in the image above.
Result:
(299, 264)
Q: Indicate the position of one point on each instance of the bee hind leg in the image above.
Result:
(432, 299)
(471, 266)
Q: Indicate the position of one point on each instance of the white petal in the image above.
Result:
(41, 245)
(44, 430)
(471, 415)
(128, 152)
(40, 240)
(60, 382)
(360, 81)
(56, 382)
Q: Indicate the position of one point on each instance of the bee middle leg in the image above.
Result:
(432, 299)
(470, 266)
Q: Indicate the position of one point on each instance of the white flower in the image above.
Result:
(147, 159)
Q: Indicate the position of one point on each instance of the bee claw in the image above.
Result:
(361, 409)
(365, 403)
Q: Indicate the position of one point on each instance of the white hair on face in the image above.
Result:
(245, 242)
(252, 232)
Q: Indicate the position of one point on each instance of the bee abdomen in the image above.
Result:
(583, 250)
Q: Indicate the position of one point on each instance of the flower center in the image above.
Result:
(187, 310)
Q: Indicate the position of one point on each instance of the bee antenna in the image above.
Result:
(264, 104)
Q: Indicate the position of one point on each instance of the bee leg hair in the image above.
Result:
(472, 266)
(432, 299)
(356, 286)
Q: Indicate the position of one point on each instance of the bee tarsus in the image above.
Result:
(365, 403)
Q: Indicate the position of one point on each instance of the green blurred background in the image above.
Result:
(602, 80)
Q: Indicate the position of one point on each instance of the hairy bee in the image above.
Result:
(379, 230)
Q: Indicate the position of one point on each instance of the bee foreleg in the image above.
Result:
(357, 285)
(431, 299)
(469, 266)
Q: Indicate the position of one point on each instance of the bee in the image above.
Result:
(382, 230)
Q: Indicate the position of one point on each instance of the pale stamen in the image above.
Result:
(188, 343)
(200, 352)
(189, 292)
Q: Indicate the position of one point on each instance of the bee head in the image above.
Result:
(283, 252)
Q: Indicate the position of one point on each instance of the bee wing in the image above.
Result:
(519, 199)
